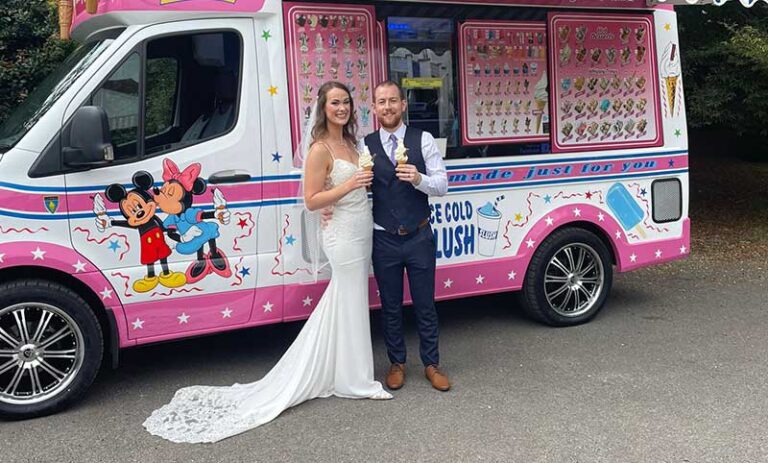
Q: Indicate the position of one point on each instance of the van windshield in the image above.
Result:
(46, 94)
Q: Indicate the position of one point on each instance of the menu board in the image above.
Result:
(605, 90)
(327, 42)
(503, 82)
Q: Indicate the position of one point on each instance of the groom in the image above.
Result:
(402, 237)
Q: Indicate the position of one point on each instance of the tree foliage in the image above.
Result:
(29, 48)
(725, 67)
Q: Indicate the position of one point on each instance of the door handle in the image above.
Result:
(229, 176)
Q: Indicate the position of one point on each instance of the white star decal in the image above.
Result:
(658, 253)
(1, 257)
(183, 318)
(307, 301)
(79, 266)
(38, 254)
(480, 279)
(601, 217)
(448, 283)
(138, 324)
(530, 243)
(683, 249)
(577, 212)
(618, 234)
(226, 313)
(511, 275)
(378, 293)
(268, 307)
(633, 257)
(106, 294)
(550, 221)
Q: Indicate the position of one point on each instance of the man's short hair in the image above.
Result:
(392, 83)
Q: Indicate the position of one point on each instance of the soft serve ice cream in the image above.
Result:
(400, 152)
(365, 160)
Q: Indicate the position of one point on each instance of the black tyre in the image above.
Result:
(50, 348)
(568, 279)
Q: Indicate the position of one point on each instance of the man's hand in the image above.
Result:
(408, 173)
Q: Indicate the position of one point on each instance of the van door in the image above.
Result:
(171, 221)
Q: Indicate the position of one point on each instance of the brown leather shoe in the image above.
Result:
(396, 376)
(438, 379)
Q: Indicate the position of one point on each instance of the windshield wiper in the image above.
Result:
(4, 147)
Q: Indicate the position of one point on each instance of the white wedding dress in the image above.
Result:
(332, 355)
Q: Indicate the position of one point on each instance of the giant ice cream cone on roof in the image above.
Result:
(65, 18)
(670, 73)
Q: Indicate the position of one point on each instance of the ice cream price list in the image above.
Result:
(503, 82)
(330, 43)
(605, 93)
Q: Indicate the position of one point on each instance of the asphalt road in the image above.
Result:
(673, 370)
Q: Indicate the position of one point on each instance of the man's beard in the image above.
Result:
(394, 125)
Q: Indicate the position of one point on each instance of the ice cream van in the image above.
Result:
(148, 189)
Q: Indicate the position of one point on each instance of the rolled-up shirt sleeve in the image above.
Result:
(435, 182)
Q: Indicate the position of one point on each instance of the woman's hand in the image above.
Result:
(361, 179)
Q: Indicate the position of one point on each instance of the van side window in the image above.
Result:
(192, 88)
(119, 96)
(425, 58)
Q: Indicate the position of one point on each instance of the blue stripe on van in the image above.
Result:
(270, 178)
(292, 201)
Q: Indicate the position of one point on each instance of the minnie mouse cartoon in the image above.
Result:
(175, 199)
(139, 210)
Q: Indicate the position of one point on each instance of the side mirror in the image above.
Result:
(90, 143)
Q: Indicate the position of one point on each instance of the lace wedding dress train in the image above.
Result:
(332, 355)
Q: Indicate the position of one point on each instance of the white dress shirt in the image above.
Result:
(435, 181)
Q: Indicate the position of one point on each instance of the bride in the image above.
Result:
(332, 355)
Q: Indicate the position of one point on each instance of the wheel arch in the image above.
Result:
(106, 317)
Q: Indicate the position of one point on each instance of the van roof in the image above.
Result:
(135, 11)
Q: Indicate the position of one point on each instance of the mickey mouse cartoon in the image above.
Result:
(175, 198)
(138, 207)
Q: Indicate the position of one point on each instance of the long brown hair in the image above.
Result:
(321, 122)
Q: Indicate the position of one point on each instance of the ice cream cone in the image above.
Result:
(540, 105)
(671, 82)
(91, 6)
(367, 168)
(65, 18)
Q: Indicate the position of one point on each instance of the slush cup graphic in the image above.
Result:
(488, 220)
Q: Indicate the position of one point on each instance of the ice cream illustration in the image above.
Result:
(617, 103)
(670, 73)
(592, 83)
(567, 129)
(365, 160)
(639, 33)
(563, 32)
(625, 208)
(592, 129)
(578, 84)
(604, 83)
(565, 84)
(640, 54)
(629, 126)
(579, 106)
(488, 221)
(605, 128)
(605, 105)
(596, 54)
(541, 97)
(592, 106)
(400, 152)
(581, 54)
(581, 33)
(565, 55)
(626, 54)
(618, 126)
(566, 106)
(624, 34)
(610, 55)
(640, 105)
(641, 124)
(640, 83)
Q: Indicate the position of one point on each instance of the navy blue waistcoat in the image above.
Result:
(397, 204)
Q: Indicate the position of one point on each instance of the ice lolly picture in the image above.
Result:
(626, 209)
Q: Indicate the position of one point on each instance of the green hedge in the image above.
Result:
(29, 48)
